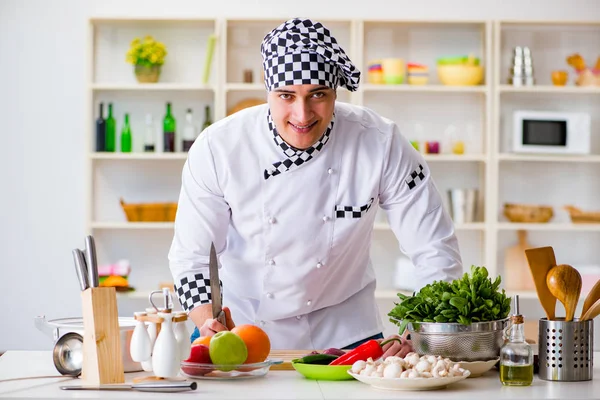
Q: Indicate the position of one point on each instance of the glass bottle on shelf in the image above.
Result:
(111, 128)
(126, 136)
(189, 131)
(207, 119)
(101, 130)
(516, 356)
(149, 142)
(169, 131)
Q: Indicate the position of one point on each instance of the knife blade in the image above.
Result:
(215, 286)
(165, 387)
(92, 261)
(80, 268)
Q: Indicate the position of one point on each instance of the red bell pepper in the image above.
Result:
(369, 349)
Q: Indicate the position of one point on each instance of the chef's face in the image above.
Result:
(302, 112)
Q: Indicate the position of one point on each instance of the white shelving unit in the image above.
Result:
(486, 165)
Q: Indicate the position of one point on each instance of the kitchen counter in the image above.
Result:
(276, 385)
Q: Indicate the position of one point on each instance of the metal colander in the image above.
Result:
(479, 341)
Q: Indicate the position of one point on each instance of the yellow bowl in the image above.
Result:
(460, 74)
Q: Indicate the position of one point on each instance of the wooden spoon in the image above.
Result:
(564, 283)
(540, 261)
(592, 312)
(592, 297)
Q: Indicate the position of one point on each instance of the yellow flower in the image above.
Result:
(147, 51)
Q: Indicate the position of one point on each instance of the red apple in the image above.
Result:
(199, 354)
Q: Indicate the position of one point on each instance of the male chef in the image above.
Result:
(288, 193)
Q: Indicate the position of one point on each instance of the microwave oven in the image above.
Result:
(553, 132)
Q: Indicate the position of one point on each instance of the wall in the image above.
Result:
(42, 57)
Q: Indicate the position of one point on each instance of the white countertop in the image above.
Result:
(276, 385)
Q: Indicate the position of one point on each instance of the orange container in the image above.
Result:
(149, 212)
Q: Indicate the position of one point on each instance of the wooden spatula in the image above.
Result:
(541, 260)
(591, 298)
(592, 312)
(564, 282)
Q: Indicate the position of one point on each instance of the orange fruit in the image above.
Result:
(257, 341)
(205, 340)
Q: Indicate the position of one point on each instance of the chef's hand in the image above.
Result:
(395, 348)
(212, 326)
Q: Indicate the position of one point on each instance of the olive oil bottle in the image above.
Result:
(516, 356)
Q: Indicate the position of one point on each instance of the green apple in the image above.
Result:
(227, 348)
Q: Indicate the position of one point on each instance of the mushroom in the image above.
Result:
(426, 374)
(423, 366)
(369, 369)
(414, 374)
(438, 369)
(405, 374)
(412, 358)
(392, 371)
(358, 366)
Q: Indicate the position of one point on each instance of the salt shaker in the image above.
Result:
(166, 354)
(140, 347)
(152, 332)
(183, 337)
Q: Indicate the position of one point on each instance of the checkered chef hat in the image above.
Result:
(300, 52)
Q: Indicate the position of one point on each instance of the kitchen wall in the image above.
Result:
(42, 61)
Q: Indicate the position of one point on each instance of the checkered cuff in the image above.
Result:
(195, 291)
(415, 177)
(353, 212)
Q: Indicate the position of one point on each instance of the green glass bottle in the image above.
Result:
(111, 139)
(169, 131)
(207, 119)
(126, 136)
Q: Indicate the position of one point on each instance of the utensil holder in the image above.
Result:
(566, 350)
(102, 358)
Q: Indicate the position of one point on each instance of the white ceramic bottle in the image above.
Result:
(152, 332)
(165, 357)
(183, 337)
(140, 347)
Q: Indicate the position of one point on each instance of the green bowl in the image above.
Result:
(324, 372)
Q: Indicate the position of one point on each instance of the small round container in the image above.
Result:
(324, 372)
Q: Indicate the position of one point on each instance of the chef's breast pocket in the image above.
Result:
(353, 221)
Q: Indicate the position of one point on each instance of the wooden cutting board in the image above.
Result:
(517, 275)
(286, 356)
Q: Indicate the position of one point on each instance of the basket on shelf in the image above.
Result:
(527, 213)
(579, 216)
(149, 212)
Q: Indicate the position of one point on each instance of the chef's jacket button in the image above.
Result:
(298, 316)
(326, 218)
(330, 171)
(270, 295)
(271, 220)
(262, 323)
(319, 265)
(271, 262)
(308, 303)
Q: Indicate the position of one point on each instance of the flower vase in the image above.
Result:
(147, 74)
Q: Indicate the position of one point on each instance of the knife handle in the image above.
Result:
(165, 387)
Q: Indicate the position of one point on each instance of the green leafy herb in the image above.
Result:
(472, 298)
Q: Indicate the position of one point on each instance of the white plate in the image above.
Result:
(478, 368)
(409, 383)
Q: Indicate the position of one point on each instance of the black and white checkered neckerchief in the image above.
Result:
(295, 157)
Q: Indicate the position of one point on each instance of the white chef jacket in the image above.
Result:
(288, 260)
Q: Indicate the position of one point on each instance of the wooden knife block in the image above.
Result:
(102, 358)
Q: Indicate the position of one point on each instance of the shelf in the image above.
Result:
(455, 157)
(423, 88)
(513, 226)
(132, 225)
(549, 158)
(138, 156)
(151, 86)
(550, 89)
(245, 86)
(475, 226)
